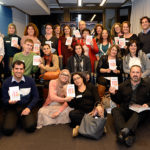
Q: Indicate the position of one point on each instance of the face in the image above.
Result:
(30, 31)
(113, 52)
(104, 34)
(78, 81)
(82, 25)
(117, 28)
(27, 47)
(132, 49)
(57, 30)
(99, 30)
(64, 77)
(67, 30)
(85, 34)
(78, 50)
(18, 71)
(135, 74)
(125, 28)
(49, 29)
(46, 50)
(11, 30)
(145, 24)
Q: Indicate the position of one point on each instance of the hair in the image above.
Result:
(28, 40)
(78, 44)
(101, 38)
(109, 49)
(46, 45)
(126, 22)
(88, 30)
(18, 62)
(145, 17)
(136, 66)
(48, 24)
(130, 43)
(82, 21)
(36, 31)
(54, 28)
(68, 74)
(12, 24)
(81, 75)
(64, 30)
(95, 28)
(113, 32)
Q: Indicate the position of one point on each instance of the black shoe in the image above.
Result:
(120, 138)
(129, 140)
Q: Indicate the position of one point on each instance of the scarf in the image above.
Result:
(48, 59)
(78, 63)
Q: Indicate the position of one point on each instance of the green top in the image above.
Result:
(28, 60)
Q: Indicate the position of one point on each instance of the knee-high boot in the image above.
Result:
(101, 90)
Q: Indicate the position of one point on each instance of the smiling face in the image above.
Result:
(133, 49)
(99, 30)
(82, 25)
(46, 50)
(85, 34)
(117, 28)
(145, 24)
(27, 47)
(57, 30)
(64, 76)
(78, 81)
(78, 50)
(104, 34)
(125, 28)
(135, 74)
(11, 30)
(30, 31)
(18, 71)
(113, 52)
(67, 30)
(49, 29)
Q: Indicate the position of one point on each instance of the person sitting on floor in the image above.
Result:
(133, 91)
(19, 104)
(55, 110)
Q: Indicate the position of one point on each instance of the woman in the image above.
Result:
(136, 56)
(1, 56)
(49, 61)
(79, 62)
(56, 110)
(86, 97)
(31, 32)
(65, 50)
(48, 38)
(11, 47)
(105, 69)
(98, 31)
(127, 35)
(57, 31)
(91, 49)
(104, 44)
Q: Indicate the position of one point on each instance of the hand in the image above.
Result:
(116, 71)
(91, 43)
(112, 90)
(108, 70)
(12, 102)
(41, 66)
(68, 99)
(16, 46)
(145, 105)
(55, 114)
(100, 111)
(97, 57)
(26, 111)
(69, 47)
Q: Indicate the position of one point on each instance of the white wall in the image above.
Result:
(20, 19)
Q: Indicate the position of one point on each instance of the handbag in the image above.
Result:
(106, 99)
(92, 127)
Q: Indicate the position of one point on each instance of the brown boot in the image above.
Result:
(101, 90)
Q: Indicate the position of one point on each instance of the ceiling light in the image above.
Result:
(93, 17)
(80, 3)
(102, 2)
(1, 3)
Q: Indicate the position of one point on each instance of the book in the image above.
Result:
(138, 108)
(36, 60)
(89, 40)
(14, 41)
(112, 64)
(77, 34)
(70, 90)
(116, 40)
(36, 47)
(122, 42)
(69, 41)
(14, 93)
(114, 82)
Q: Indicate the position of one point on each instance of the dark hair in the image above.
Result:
(145, 17)
(130, 43)
(48, 24)
(136, 66)
(78, 44)
(46, 45)
(108, 39)
(18, 62)
(126, 22)
(95, 28)
(88, 30)
(64, 29)
(81, 75)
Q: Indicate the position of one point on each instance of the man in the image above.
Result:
(21, 108)
(144, 36)
(82, 25)
(132, 91)
(27, 57)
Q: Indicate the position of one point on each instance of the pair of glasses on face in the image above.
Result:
(65, 75)
(77, 78)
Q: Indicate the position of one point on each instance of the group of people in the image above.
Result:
(118, 54)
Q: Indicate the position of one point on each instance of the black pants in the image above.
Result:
(125, 118)
(13, 115)
(76, 117)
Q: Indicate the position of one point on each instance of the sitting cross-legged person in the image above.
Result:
(56, 110)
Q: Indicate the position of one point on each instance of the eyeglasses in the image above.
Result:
(63, 74)
(74, 79)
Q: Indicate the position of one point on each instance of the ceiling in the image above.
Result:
(43, 7)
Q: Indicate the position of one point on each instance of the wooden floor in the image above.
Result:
(58, 137)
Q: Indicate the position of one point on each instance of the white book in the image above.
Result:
(14, 93)
(116, 40)
(14, 41)
(36, 47)
(112, 64)
(77, 34)
(89, 40)
(114, 82)
(70, 90)
(36, 60)
(69, 41)
(122, 42)
(49, 43)
(138, 108)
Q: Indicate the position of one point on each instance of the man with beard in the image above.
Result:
(132, 91)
